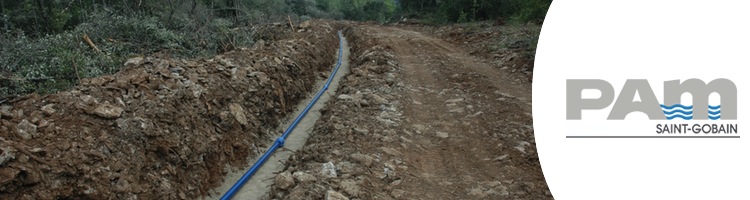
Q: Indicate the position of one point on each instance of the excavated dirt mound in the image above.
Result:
(161, 128)
(337, 156)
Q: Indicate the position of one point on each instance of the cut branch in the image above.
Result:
(290, 23)
(88, 40)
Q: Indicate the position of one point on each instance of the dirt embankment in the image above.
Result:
(161, 128)
(332, 159)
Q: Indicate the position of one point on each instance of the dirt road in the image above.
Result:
(420, 119)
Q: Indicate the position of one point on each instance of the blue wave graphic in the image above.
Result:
(690, 117)
(675, 106)
(678, 111)
(686, 111)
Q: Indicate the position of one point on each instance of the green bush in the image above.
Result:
(55, 62)
(531, 10)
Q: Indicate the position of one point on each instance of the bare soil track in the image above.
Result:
(419, 119)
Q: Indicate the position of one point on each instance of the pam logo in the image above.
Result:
(672, 108)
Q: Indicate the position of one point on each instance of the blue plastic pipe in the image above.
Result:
(280, 141)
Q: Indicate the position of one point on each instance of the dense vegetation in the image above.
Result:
(42, 45)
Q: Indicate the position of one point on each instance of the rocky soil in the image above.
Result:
(418, 118)
(425, 113)
(509, 48)
(161, 128)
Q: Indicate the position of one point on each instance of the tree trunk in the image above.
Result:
(43, 14)
(171, 12)
(2, 15)
(193, 7)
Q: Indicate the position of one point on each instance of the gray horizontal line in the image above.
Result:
(601, 136)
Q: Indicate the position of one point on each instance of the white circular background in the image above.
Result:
(642, 39)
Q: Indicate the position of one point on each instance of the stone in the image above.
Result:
(5, 112)
(391, 151)
(522, 146)
(333, 195)
(348, 168)
(328, 170)
(47, 109)
(26, 129)
(377, 99)
(345, 97)
(397, 193)
(442, 135)
(477, 192)
(456, 100)
(350, 187)
(238, 112)
(122, 185)
(263, 78)
(362, 159)
(396, 183)
(108, 111)
(499, 158)
(7, 154)
(303, 177)
(298, 192)
(389, 77)
(419, 127)
(445, 183)
(361, 131)
(404, 139)
(284, 180)
(456, 110)
(133, 62)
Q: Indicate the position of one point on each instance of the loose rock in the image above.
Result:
(377, 99)
(238, 112)
(345, 97)
(47, 109)
(455, 100)
(108, 111)
(333, 195)
(328, 170)
(133, 62)
(26, 129)
(363, 159)
(397, 193)
(284, 180)
(350, 187)
(303, 177)
(391, 151)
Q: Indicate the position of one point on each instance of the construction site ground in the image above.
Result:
(424, 113)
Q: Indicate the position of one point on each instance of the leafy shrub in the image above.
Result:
(55, 62)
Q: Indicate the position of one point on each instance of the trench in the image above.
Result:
(259, 185)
